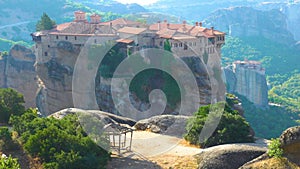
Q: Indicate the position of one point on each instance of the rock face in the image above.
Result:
(290, 140)
(230, 156)
(248, 78)
(246, 21)
(17, 71)
(56, 74)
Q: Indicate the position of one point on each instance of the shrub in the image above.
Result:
(232, 128)
(274, 148)
(9, 162)
(11, 102)
(60, 144)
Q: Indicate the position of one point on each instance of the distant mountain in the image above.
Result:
(249, 22)
(112, 6)
(198, 10)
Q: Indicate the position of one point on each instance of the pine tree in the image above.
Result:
(45, 23)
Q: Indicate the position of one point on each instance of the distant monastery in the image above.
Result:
(185, 40)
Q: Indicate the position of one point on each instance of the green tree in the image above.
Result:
(232, 128)
(11, 102)
(45, 23)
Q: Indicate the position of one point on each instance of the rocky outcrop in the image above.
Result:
(246, 21)
(290, 140)
(231, 156)
(56, 76)
(165, 124)
(17, 71)
(248, 79)
(109, 118)
(290, 143)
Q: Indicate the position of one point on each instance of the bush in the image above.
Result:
(9, 162)
(274, 148)
(232, 128)
(59, 144)
(6, 141)
(11, 102)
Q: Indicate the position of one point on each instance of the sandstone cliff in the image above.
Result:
(248, 80)
(17, 71)
(56, 74)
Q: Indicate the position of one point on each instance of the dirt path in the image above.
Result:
(151, 151)
(155, 151)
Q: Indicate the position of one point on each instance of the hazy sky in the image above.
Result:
(141, 2)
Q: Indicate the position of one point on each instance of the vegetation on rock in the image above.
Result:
(232, 128)
(274, 148)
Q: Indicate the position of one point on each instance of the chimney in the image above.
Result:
(165, 21)
(158, 24)
(168, 25)
(95, 18)
(80, 16)
(200, 24)
(212, 30)
(197, 23)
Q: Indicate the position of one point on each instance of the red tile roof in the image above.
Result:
(132, 30)
(125, 40)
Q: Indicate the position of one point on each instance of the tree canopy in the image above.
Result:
(45, 23)
(232, 128)
(11, 102)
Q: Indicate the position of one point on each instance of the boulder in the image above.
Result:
(228, 156)
(173, 125)
(107, 117)
(290, 140)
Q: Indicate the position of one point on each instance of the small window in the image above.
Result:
(46, 53)
(185, 47)
(75, 37)
(190, 44)
(175, 45)
(66, 37)
(180, 44)
(48, 46)
(56, 36)
(194, 43)
(95, 40)
(160, 43)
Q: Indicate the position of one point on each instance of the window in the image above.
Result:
(48, 46)
(75, 37)
(160, 43)
(46, 53)
(95, 40)
(66, 37)
(175, 45)
(56, 36)
(185, 47)
(180, 44)
(194, 43)
(190, 44)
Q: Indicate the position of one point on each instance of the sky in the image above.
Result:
(141, 2)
